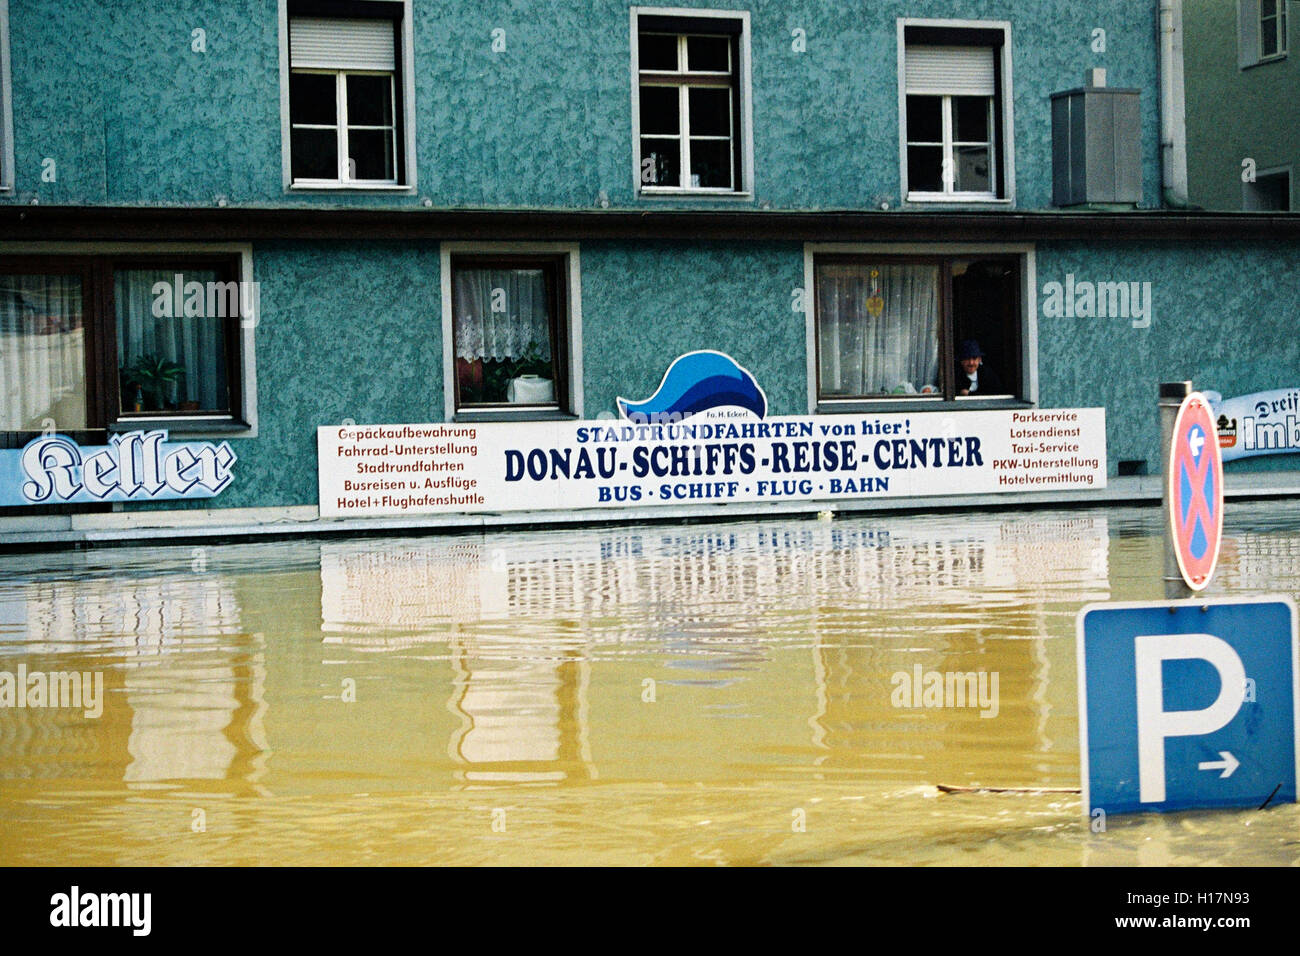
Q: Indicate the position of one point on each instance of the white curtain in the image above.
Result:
(198, 344)
(499, 312)
(42, 353)
(894, 350)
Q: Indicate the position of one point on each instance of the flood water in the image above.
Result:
(664, 694)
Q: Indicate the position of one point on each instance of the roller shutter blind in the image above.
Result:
(337, 44)
(949, 70)
(1247, 33)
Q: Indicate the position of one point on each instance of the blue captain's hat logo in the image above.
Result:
(705, 383)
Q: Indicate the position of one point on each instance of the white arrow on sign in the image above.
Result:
(1228, 764)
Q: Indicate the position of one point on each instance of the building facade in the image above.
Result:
(242, 221)
(1243, 149)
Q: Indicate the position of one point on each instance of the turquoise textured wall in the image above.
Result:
(346, 331)
(113, 93)
(1224, 317)
(354, 331)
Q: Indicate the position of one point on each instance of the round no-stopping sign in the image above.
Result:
(1196, 491)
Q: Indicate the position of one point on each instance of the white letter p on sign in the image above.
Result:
(1155, 723)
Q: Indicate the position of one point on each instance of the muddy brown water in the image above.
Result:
(664, 694)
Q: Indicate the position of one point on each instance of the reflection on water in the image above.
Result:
(661, 694)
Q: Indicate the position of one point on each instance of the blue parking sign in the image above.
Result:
(1186, 704)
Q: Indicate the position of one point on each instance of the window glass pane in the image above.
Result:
(710, 164)
(971, 119)
(371, 154)
(657, 51)
(661, 162)
(660, 110)
(1267, 8)
(504, 350)
(878, 329)
(708, 54)
(985, 308)
(710, 111)
(1268, 39)
(924, 169)
(313, 99)
(42, 353)
(370, 100)
(174, 361)
(1271, 193)
(973, 169)
(315, 154)
(924, 119)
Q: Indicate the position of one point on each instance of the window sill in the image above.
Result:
(972, 199)
(911, 404)
(1265, 60)
(180, 428)
(331, 187)
(678, 192)
(515, 415)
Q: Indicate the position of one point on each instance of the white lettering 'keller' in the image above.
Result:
(132, 466)
(128, 477)
(49, 464)
(149, 458)
(96, 472)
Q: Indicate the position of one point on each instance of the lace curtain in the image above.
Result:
(42, 353)
(499, 312)
(878, 328)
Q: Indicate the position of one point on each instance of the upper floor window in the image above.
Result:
(346, 91)
(1261, 31)
(690, 103)
(1272, 27)
(954, 114)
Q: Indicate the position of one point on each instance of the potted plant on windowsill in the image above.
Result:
(147, 381)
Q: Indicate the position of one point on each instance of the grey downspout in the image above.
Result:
(1173, 113)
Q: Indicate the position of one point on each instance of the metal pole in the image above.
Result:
(1171, 396)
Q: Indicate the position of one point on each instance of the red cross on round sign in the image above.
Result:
(1196, 491)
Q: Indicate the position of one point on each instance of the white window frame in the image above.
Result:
(403, 80)
(745, 188)
(1003, 126)
(1029, 297)
(178, 428)
(573, 329)
(1280, 28)
(1250, 34)
(6, 106)
(342, 127)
